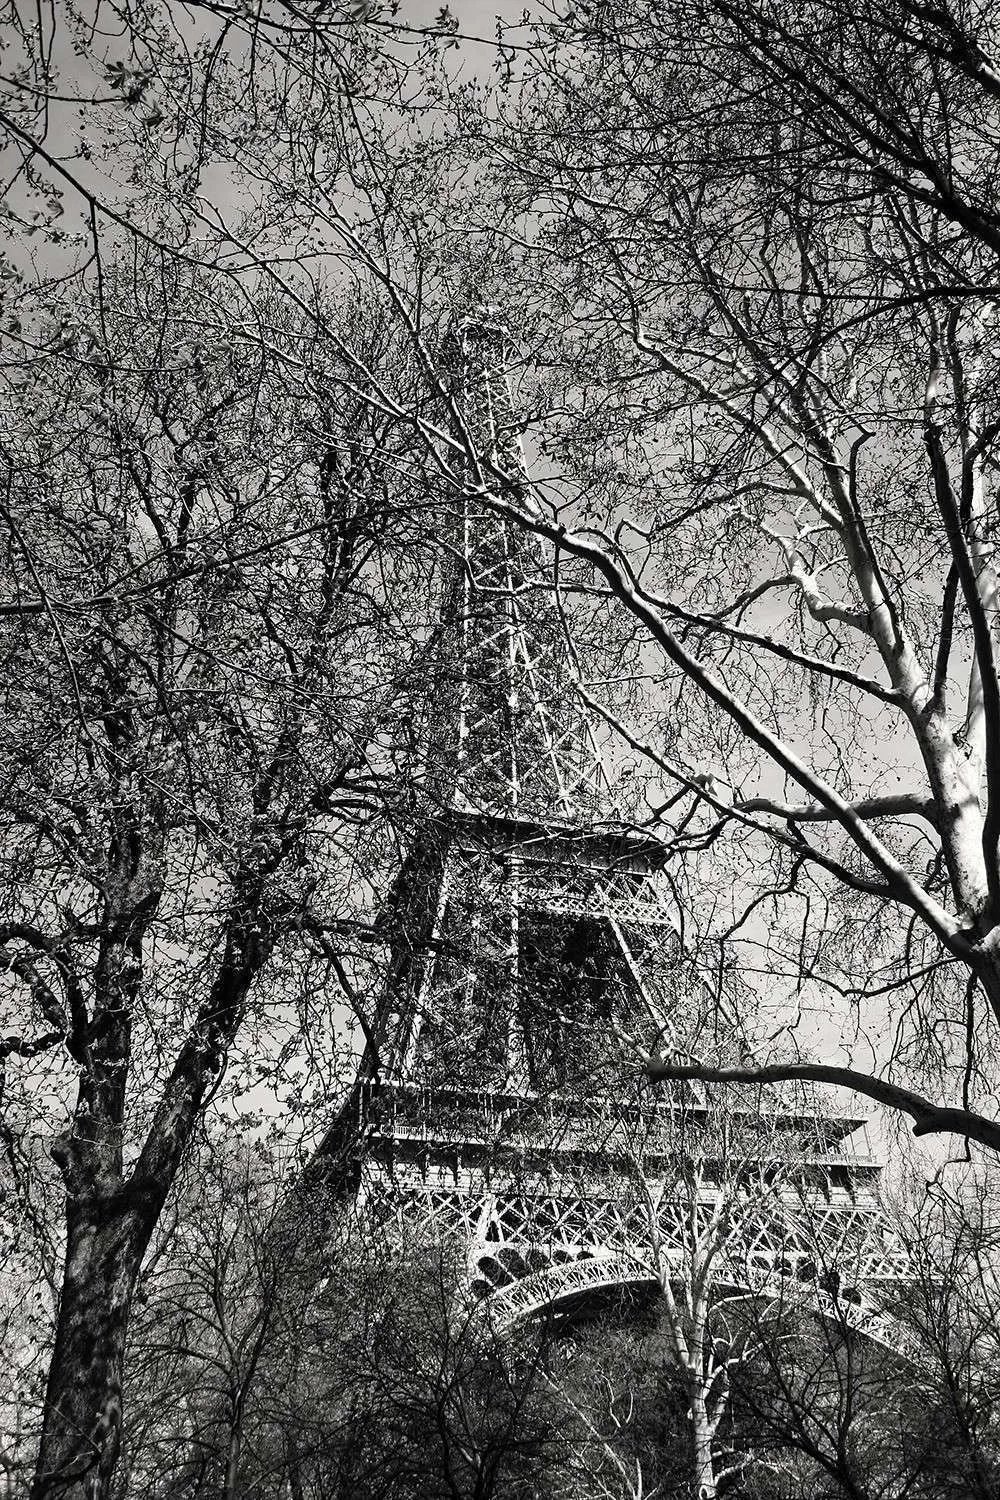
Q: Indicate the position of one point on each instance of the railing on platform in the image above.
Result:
(412, 1113)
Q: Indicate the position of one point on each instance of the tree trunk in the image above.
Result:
(81, 1435)
(109, 1221)
(234, 1450)
(293, 1469)
(701, 1442)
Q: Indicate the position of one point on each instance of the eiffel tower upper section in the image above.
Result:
(519, 917)
(512, 739)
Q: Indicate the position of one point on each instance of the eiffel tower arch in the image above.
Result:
(526, 934)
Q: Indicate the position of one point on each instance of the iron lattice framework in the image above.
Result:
(525, 936)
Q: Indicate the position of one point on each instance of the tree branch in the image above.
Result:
(982, 637)
(18, 1046)
(802, 659)
(928, 1118)
(649, 610)
(903, 804)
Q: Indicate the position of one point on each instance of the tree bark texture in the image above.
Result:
(702, 1432)
(110, 1220)
(83, 1399)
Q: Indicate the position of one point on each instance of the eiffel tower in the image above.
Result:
(525, 936)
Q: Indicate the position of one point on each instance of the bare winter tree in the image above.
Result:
(835, 1412)
(204, 678)
(772, 432)
(753, 258)
(402, 1392)
(770, 424)
(216, 1299)
(705, 1214)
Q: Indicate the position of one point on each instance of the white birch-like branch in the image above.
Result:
(898, 805)
(650, 612)
(822, 610)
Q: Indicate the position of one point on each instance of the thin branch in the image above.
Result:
(787, 653)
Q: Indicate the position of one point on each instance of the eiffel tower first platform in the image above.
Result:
(525, 937)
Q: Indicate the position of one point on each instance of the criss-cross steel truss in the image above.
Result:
(526, 937)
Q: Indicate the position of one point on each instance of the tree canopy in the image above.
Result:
(745, 256)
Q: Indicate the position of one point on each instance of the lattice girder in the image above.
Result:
(546, 1291)
(527, 936)
(517, 737)
(532, 1241)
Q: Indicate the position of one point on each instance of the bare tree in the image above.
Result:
(217, 1301)
(628, 1410)
(756, 271)
(402, 1390)
(909, 1416)
(205, 671)
(742, 1211)
(772, 419)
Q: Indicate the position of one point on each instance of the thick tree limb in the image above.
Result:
(903, 804)
(651, 611)
(983, 644)
(928, 1118)
(18, 1046)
